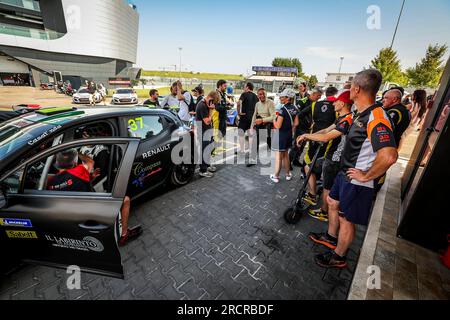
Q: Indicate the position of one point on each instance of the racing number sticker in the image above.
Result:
(133, 124)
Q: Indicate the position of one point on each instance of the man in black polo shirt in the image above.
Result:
(399, 114)
(246, 109)
(153, 101)
(77, 178)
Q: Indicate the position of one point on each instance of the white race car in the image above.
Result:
(83, 96)
(125, 96)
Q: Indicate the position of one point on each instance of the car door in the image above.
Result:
(153, 162)
(60, 228)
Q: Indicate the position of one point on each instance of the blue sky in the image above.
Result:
(232, 36)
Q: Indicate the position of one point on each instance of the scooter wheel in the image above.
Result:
(292, 215)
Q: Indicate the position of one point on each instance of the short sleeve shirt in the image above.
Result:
(249, 101)
(370, 132)
(343, 124)
(202, 112)
(289, 113)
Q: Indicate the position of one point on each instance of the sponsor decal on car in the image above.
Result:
(14, 234)
(142, 173)
(10, 222)
(85, 244)
(155, 151)
(44, 135)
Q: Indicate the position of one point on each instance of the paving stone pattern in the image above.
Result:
(220, 238)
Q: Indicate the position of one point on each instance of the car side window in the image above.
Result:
(11, 184)
(145, 127)
(93, 130)
(82, 169)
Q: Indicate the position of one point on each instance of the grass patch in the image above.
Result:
(192, 75)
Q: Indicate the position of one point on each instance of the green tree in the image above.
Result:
(134, 82)
(388, 64)
(428, 72)
(312, 81)
(288, 62)
(143, 81)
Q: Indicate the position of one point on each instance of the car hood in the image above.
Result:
(124, 95)
(81, 95)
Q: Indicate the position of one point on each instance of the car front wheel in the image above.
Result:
(182, 174)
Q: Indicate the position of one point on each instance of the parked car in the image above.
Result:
(58, 228)
(83, 96)
(232, 119)
(125, 96)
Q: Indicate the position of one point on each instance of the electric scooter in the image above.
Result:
(293, 214)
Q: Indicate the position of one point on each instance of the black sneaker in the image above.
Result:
(324, 239)
(330, 259)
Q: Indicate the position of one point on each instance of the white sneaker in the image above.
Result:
(206, 174)
(289, 177)
(212, 169)
(274, 179)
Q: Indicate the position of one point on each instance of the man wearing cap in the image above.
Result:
(78, 178)
(323, 115)
(331, 165)
(285, 122)
(305, 122)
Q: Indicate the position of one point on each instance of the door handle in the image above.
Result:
(93, 226)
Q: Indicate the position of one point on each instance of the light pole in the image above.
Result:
(180, 48)
(340, 65)
(398, 22)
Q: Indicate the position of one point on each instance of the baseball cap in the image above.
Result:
(289, 93)
(345, 97)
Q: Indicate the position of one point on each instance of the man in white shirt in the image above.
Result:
(178, 98)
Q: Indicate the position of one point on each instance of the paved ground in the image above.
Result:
(222, 238)
(10, 96)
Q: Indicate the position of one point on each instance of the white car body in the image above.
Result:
(125, 96)
(83, 96)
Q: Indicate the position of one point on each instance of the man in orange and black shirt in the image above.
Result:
(370, 150)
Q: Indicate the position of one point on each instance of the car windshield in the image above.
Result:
(124, 91)
(18, 133)
(83, 91)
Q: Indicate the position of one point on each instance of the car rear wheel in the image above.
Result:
(182, 174)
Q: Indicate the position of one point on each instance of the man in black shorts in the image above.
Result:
(78, 177)
(246, 109)
(335, 135)
(323, 115)
(369, 151)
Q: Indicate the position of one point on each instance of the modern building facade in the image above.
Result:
(337, 80)
(273, 79)
(91, 39)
